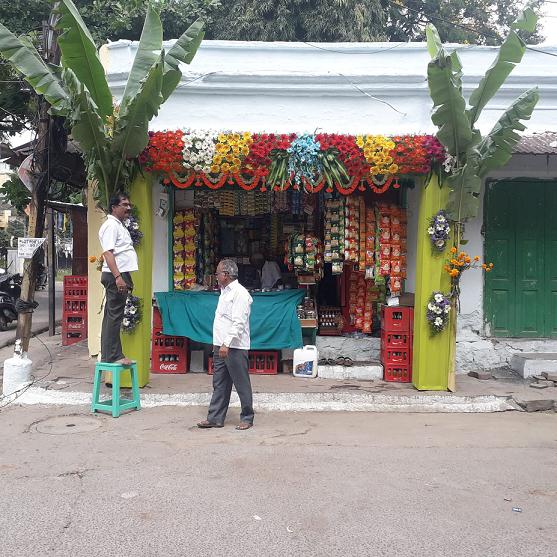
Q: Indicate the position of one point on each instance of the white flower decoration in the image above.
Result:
(438, 298)
(438, 321)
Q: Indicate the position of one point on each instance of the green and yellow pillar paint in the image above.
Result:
(433, 355)
(137, 344)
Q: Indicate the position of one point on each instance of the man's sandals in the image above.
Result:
(244, 425)
(206, 424)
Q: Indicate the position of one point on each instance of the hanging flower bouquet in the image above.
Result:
(303, 161)
(438, 310)
(457, 264)
(439, 230)
(132, 314)
(132, 225)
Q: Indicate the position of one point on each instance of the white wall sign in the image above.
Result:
(26, 247)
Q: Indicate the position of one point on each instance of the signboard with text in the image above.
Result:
(26, 247)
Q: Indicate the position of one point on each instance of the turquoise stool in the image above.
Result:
(116, 404)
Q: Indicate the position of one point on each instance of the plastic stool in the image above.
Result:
(116, 404)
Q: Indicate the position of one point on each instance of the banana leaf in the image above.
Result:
(434, 44)
(444, 75)
(131, 133)
(148, 51)
(509, 55)
(183, 50)
(496, 148)
(23, 56)
(526, 21)
(88, 131)
(464, 186)
(79, 54)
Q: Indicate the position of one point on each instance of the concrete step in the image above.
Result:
(367, 371)
(528, 364)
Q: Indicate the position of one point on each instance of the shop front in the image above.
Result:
(321, 246)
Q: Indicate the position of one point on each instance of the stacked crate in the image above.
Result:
(74, 315)
(260, 362)
(396, 343)
(169, 354)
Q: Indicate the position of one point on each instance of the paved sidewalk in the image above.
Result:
(68, 380)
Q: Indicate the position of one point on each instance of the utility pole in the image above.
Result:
(39, 193)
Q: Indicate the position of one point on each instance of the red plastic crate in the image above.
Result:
(71, 336)
(169, 354)
(75, 280)
(397, 356)
(75, 293)
(396, 319)
(260, 363)
(74, 322)
(397, 373)
(73, 307)
(396, 340)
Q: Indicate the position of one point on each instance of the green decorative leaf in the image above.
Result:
(88, 131)
(131, 131)
(527, 21)
(465, 185)
(79, 54)
(509, 55)
(434, 45)
(497, 147)
(23, 56)
(148, 52)
(449, 107)
(183, 50)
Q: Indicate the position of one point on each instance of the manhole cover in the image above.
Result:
(63, 425)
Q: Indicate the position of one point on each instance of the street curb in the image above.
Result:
(300, 402)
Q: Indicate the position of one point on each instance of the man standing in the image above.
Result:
(231, 342)
(120, 260)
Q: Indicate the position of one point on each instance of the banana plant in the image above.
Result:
(472, 154)
(109, 136)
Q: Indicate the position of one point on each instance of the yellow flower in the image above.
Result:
(454, 250)
(360, 141)
(217, 159)
(393, 169)
(247, 137)
(221, 137)
(235, 137)
(225, 167)
(245, 151)
(235, 149)
(215, 169)
(455, 273)
(234, 169)
(236, 161)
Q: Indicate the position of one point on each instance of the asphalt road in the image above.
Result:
(308, 484)
(40, 315)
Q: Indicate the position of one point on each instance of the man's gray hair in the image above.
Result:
(229, 267)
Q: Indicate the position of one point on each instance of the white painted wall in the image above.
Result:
(338, 87)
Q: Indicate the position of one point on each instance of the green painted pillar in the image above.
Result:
(137, 345)
(433, 356)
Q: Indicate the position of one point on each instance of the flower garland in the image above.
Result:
(438, 310)
(196, 157)
(132, 314)
(438, 230)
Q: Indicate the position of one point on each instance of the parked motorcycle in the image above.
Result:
(10, 291)
(42, 277)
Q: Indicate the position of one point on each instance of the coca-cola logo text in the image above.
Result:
(169, 367)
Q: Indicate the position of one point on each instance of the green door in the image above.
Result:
(521, 240)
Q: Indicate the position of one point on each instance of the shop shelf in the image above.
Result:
(260, 363)
(397, 373)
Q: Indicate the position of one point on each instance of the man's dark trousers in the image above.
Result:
(111, 345)
(232, 370)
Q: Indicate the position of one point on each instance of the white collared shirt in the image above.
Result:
(114, 236)
(231, 324)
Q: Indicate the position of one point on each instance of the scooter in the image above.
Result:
(10, 291)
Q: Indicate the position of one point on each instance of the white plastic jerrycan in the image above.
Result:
(305, 361)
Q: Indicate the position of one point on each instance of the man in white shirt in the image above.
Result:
(231, 342)
(120, 260)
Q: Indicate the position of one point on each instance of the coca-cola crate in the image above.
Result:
(396, 340)
(396, 319)
(73, 335)
(74, 322)
(74, 307)
(397, 356)
(260, 363)
(75, 280)
(397, 373)
(169, 354)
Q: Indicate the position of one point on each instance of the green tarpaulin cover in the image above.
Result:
(273, 321)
